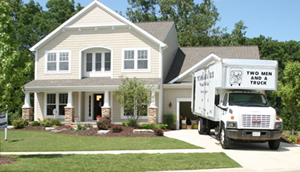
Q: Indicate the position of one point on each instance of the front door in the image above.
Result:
(98, 103)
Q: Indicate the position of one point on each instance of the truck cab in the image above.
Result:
(247, 116)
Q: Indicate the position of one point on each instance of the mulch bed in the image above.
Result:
(127, 131)
(7, 160)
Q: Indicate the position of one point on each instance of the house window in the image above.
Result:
(136, 59)
(56, 103)
(97, 64)
(58, 62)
(143, 111)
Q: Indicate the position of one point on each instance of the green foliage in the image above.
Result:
(19, 124)
(47, 122)
(158, 132)
(289, 89)
(292, 139)
(125, 124)
(134, 96)
(56, 122)
(25, 122)
(81, 127)
(13, 116)
(132, 123)
(35, 123)
(170, 120)
(15, 66)
(117, 129)
(153, 126)
(104, 123)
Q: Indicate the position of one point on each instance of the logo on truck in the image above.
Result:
(235, 76)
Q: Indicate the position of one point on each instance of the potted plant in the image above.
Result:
(98, 118)
(76, 118)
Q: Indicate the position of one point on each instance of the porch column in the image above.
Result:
(26, 108)
(69, 110)
(152, 110)
(106, 109)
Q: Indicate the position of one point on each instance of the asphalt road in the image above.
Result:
(252, 156)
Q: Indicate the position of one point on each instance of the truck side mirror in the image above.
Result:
(278, 102)
(217, 99)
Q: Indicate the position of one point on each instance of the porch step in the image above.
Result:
(143, 131)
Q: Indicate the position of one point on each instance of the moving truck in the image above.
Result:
(230, 96)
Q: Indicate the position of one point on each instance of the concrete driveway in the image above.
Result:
(252, 156)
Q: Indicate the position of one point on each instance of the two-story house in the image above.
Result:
(78, 67)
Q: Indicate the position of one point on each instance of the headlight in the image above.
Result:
(278, 125)
(231, 125)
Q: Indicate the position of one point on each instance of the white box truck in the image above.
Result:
(229, 95)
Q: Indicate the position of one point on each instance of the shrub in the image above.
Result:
(13, 116)
(81, 128)
(125, 124)
(25, 122)
(104, 123)
(18, 124)
(133, 123)
(158, 132)
(292, 139)
(117, 129)
(170, 120)
(47, 122)
(35, 123)
(152, 126)
(56, 122)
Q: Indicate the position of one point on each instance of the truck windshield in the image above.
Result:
(248, 99)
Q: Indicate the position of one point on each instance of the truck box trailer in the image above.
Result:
(229, 95)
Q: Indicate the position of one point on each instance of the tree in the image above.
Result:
(15, 66)
(142, 10)
(289, 89)
(134, 96)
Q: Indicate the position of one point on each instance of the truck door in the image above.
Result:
(224, 103)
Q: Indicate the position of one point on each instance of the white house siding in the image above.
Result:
(114, 39)
(95, 17)
(40, 106)
(171, 95)
(170, 52)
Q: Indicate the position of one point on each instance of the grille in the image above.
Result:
(256, 121)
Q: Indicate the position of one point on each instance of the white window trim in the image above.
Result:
(56, 104)
(136, 60)
(57, 62)
(95, 73)
(126, 117)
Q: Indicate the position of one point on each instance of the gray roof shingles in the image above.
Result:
(157, 29)
(85, 82)
(187, 57)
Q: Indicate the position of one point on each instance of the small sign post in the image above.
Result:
(3, 122)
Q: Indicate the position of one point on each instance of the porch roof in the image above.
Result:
(98, 82)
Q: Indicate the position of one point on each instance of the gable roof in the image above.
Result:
(96, 3)
(187, 57)
(158, 29)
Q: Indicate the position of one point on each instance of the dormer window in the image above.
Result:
(97, 63)
(58, 62)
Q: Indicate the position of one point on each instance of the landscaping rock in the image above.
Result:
(10, 127)
(143, 131)
(103, 131)
(49, 128)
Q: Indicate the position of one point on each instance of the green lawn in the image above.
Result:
(36, 141)
(123, 162)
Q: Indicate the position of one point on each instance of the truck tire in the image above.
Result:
(224, 140)
(201, 127)
(274, 144)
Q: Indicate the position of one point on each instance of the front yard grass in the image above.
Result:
(123, 162)
(37, 141)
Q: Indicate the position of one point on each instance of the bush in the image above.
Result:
(158, 132)
(133, 123)
(18, 124)
(56, 122)
(153, 126)
(170, 120)
(47, 122)
(25, 122)
(13, 116)
(35, 123)
(104, 123)
(125, 124)
(117, 129)
(81, 128)
(292, 139)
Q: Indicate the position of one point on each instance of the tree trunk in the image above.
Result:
(293, 123)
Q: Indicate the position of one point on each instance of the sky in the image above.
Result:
(278, 19)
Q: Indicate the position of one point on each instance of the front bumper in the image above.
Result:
(247, 135)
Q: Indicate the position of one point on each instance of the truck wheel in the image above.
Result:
(224, 140)
(200, 125)
(274, 144)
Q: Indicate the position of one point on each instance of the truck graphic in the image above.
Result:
(235, 76)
